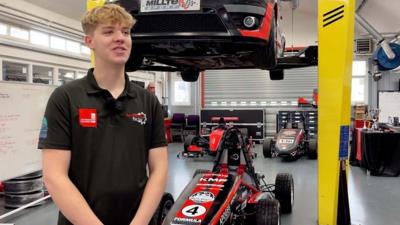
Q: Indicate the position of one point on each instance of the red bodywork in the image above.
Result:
(215, 139)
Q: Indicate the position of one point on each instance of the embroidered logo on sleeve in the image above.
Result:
(88, 117)
(44, 129)
(141, 118)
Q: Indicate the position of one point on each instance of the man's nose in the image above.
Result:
(119, 36)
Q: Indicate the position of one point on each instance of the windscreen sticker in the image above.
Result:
(202, 196)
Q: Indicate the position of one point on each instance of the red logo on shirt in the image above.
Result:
(141, 118)
(88, 117)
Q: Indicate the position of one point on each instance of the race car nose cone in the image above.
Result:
(249, 21)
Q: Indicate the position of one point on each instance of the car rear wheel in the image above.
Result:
(163, 208)
(267, 148)
(312, 149)
(284, 191)
(190, 75)
(267, 212)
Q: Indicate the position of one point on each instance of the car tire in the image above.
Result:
(267, 212)
(166, 203)
(267, 148)
(190, 75)
(135, 61)
(284, 191)
(312, 149)
(200, 171)
(189, 140)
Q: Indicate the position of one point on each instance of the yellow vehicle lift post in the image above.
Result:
(335, 57)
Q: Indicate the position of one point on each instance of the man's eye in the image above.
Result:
(126, 32)
(107, 32)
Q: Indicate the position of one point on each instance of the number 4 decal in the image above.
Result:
(193, 210)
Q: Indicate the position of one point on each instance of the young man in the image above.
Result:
(100, 132)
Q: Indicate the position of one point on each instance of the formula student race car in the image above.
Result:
(232, 192)
(291, 143)
(198, 146)
(196, 35)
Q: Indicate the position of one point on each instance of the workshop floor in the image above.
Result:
(373, 200)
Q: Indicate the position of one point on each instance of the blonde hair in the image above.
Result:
(109, 13)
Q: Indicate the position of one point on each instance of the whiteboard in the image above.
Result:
(389, 104)
(22, 107)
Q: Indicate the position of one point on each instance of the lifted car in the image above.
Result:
(291, 143)
(196, 35)
(232, 192)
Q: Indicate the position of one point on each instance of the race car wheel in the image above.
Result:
(189, 140)
(312, 149)
(163, 208)
(268, 212)
(190, 75)
(284, 191)
(267, 148)
(200, 171)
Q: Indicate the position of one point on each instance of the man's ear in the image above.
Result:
(89, 41)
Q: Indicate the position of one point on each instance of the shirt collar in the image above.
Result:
(93, 88)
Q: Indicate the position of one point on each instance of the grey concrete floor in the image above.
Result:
(373, 200)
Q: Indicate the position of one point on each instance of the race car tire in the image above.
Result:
(267, 148)
(162, 210)
(284, 191)
(268, 212)
(189, 140)
(190, 75)
(200, 171)
(312, 150)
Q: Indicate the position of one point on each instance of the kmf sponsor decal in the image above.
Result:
(88, 117)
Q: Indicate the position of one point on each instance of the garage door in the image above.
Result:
(252, 88)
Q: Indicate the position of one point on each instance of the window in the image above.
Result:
(42, 74)
(80, 74)
(359, 81)
(57, 43)
(65, 76)
(19, 33)
(74, 47)
(357, 90)
(15, 71)
(359, 68)
(39, 38)
(181, 93)
(85, 50)
(3, 29)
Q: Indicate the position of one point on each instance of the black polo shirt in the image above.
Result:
(109, 140)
